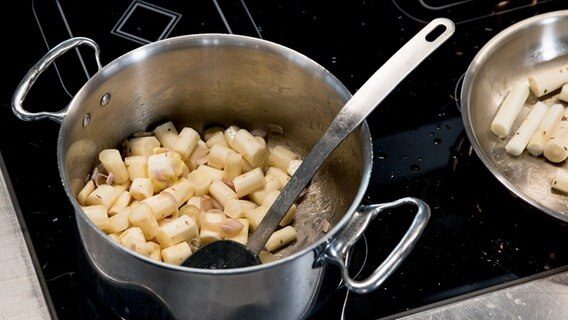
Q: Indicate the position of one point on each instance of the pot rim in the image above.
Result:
(219, 39)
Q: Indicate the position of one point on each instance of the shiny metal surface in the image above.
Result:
(534, 44)
(363, 102)
(545, 298)
(214, 79)
(21, 296)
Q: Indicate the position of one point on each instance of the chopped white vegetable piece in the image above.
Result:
(252, 151)
(137, 166)
(564, 93)
(214, 174)
(181, 191)
(560, 181)
(176, 254)
(556, 147)
(279, 174)
(210, 132)
(167, 134)
(164, 169)
(191, 211)
(141, 216)
(280, 156)
(221, 192)
(248, 182)
(156, 251)
(545, 129)
(521, 138)
(199, 181)
(233, 166)
(230, 133)
(509, 109)
(208, 236)
(179, 230)
(186, 142)
(105, 195)
(162, 205)
(119, 222)
(198, 156)
(217, 155)
(122, 202)
(140, 246)
(216, 138)
(266, 257)
(141, 188)
(293, 165)
(98, 215)
(133, 232)
(280, 238)
(113, 163)
(114, 237)
(546, 81)
(255, 216)
(142, 146)
(270, 184)
(245, 166)
(242, 236)
(238, 208)
(84, 193)
(290, 214)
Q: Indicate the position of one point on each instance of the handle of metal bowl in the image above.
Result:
(336, 251)
(34, 73)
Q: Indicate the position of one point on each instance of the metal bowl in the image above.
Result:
(534, 44)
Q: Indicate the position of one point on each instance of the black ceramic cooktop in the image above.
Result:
(480, 236)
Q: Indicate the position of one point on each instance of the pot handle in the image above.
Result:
(32, 75)
(336, 251)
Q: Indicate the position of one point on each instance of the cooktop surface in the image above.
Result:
(480, 236)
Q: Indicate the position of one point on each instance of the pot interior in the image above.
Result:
(206, 80)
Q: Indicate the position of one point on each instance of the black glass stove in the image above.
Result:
(480, 237)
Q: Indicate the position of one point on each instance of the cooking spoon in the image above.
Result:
(226, 254)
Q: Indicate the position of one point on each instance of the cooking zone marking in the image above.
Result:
(142, 21)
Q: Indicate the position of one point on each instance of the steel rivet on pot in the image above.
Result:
(105, 99)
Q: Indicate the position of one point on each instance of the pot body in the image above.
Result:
(201, 81)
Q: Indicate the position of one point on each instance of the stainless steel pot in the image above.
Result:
(207, 79)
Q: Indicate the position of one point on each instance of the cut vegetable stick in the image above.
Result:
(105, 195)
(191, 211)
(560, 181)
(270, 184)
(253, 151)
(221, 192)
(198, 156)
(119, 222)
(84, 193)
(510, 108)
(290, 214)
(280, 238)
(545, 129)
(293, 165)
(248, 182)
(242, 236)
(141, 216)
(137, 166)
(200, 181)
(230, 133)
(208, 236)
(142, 146)
(122, 202)
(232, 168)
(216, 138)
(156, 251)
(176, 254)
(280, 156)
(112, 162)
(217, 155)
(564, 93)
(546, 81)
(181, 191)
(238, 208)
(255, 216)
(142, 247)
(98, 215)
(266, 257)
(214, 174)
(162, 205)
(141, 188)
(167, 134)
(521, 138)
(279, 174)
(556, 147)
(186, 142)
(179, 230)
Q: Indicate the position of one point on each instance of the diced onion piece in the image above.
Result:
(280, 156)
(293, 165)
(242, 236)
(112, 162)
(279, 174)
(255, 216)
(98, 215)
(280, 238)
(560, 181)
(179, 230)
(156, 251)
(141, 188)
(186, 142)
(85, 191)
(238, 208)
(230, 133)
(233, 165)
(217, 137)
(181, 191)
(290, 214)
(104, 195)
(167, 134)
(122, 202)
(136, 166)
(119, 222)
(141, 216)
(214, 174)
(176, 254)
(162, 205)
(133, 232)
(545, 129)
(270, 184)
(266, 257)
(253, 151)
(546, 81)
(217, 155)
(248, 182)
(230, 227)
(520, 139)
(509, 109)
(142, 146)
(556, 147)
(221, 192)
(564, 93)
